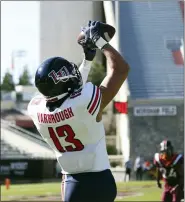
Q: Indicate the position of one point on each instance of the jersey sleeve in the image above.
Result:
(91, 96)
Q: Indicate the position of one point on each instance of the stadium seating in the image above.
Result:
(19, 142)
(147, 31)
(10, 152)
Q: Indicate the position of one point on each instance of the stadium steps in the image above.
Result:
(9, 152)
(25, 142)
(145, 28)
(25, 133)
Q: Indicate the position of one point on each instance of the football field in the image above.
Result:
(129, 191)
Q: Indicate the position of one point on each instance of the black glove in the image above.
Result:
(89, 53)
(92, 34)
(159, 185)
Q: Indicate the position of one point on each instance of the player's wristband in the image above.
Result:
(101, 43)
(85, 69)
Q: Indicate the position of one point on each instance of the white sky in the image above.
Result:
(19, 31)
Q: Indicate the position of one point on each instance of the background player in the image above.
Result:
(170, 166)
(68, 116)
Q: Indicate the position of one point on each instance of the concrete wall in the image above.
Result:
(147, 132)
(60, 24)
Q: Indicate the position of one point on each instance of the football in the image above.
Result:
(107, 33)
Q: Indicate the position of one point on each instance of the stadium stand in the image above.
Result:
(10, 152)
(149, 41)
(19, 142)
(18, 117)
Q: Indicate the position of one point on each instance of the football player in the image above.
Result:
(170, 166)
(68, 115)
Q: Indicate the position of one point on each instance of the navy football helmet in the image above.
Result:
(56, 78)
(166, 148)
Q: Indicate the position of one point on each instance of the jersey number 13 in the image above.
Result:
(67, 132)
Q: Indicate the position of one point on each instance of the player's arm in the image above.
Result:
(118, 67)
(180, 173)
(180, 170)
(158, 173)
(85, 66)
(158, 177)
(118, 70)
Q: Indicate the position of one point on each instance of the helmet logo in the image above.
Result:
(62, 75)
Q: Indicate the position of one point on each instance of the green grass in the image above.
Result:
(145, 190)
(18, 191)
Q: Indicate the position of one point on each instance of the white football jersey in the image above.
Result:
(72, 131)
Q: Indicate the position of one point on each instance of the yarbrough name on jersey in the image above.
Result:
(56, 117)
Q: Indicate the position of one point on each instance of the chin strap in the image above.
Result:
(56, 98)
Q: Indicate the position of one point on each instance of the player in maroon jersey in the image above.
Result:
(170, 167)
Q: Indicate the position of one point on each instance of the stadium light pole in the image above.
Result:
(117, 19)
(123, 132)
(117, 22)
